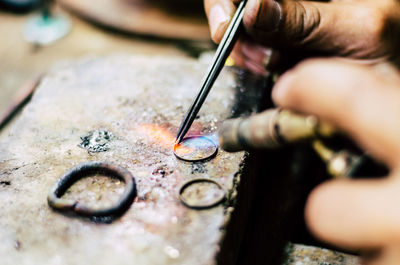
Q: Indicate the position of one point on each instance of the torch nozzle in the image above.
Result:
(270, 129)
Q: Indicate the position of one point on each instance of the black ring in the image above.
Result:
(204, 206)
(201, 159)
(85, 170)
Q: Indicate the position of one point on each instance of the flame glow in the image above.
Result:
(162, 137)
(182, 150)
(157, 134)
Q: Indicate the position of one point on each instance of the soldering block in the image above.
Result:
(140, 101)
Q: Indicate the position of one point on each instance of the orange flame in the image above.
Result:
(182, 150)
(162, 137)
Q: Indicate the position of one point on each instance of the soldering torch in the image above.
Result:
(271, 129)
(275, 128)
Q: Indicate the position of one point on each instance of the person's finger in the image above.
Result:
(387, 255)
(355, 214)
(345, 28)
(355, 98)
(242, 59)
(256, 56)
(256, 53)
(264, 62)
(238, 56)
(219, 14)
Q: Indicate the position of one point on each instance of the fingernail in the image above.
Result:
(281, 88)
(268, 14)
(277, 15)
(255, 68)
(267, 58)
(218, 20)
(257, 53)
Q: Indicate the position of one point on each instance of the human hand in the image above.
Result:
(359, 214)
(356, 29)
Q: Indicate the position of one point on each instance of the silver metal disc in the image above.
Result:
(195, 148)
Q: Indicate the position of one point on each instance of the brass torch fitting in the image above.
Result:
(270, 129)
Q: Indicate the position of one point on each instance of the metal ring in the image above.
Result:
(201, 159)
(85, 170)
(204, 206)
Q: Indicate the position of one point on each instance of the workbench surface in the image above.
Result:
(141, 102)
(21, 61)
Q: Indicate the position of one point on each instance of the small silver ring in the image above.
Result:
(203, 206)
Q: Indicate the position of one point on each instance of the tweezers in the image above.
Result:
(224, 49)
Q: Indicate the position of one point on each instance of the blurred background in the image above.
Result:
(37, 34)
